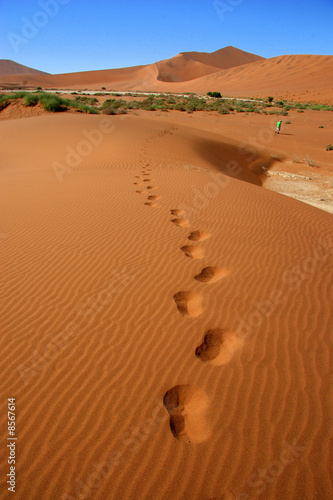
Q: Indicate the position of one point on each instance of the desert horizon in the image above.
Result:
(229, 70)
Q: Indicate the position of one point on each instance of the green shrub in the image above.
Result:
(4, 103)
(217, 95)
(114, 104)
(18, 95)
(114, 107)
(52, 103)
(270, 98)
(90, 101)
(329, 147)
(109, 111)
(114, 111)
(30, 99)
(310, 161)
(83, 108)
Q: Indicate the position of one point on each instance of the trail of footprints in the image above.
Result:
(188, 405)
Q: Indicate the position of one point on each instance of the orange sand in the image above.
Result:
(95, 346)
(231, 71)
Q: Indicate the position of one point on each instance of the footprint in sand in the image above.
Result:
(153, 197)
(188, 303)
(137, 183)
(211, 274)
(199, 236)
(141, 192)
(187, 406)
(151, 204)
(148, 180)
(218, 346)
(180, 222)
(152, 187)
(192, 252)
(177, 211)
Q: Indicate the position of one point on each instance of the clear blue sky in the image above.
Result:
(80, 35)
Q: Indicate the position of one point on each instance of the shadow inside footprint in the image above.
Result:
(218, 346)
(187, 406)
(211, 274)
(153, 197)
(177, 211)
(199, 236)
(151, 204)
(151, 187)
(180, 222)
(192, 252)
(188, 303)
(140, 192)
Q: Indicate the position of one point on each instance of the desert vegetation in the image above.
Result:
(188, 103)
(50, 102)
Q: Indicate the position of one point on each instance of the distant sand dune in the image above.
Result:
(231, 71)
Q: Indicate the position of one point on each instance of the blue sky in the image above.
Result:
(59, 36)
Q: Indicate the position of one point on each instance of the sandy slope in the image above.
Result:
(228, 57)
(8, 67)
(295, 77)
(106, 316)
(191, 65)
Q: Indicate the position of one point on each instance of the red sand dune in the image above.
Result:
(225, 58)
(297, 77)
(8, 67)
(191, 65)
(105, 318)
(182, 69)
